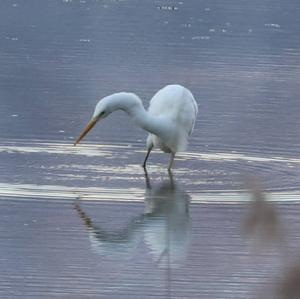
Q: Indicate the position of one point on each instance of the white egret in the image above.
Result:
(170, 118)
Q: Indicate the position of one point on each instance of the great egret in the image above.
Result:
(170, 118)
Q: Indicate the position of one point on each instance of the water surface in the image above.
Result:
(86, 222)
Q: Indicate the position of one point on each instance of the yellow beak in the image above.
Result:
(89, 126)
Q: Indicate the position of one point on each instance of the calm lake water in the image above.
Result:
(87, 222)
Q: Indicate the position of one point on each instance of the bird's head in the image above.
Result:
(118, 101)
(102, 110)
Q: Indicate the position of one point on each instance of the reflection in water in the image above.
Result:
(289, 288)
(167, 225)
(164, 227)
(262, 222)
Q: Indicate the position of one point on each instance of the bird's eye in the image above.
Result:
(102, 113)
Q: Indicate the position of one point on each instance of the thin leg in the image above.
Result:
(171, 161)
(172, 184)
(147, 156)
(148, 185)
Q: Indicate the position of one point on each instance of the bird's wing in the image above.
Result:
(177, 103)
(177, 106)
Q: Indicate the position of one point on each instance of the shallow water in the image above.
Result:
(86, 221)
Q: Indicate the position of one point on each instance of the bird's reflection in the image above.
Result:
(167, 224)
(262, 221)
(163, 227)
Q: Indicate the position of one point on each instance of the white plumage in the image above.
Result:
(170, 118)
(176, 103)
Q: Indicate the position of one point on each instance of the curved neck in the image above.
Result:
(132, 105)
(156, 125)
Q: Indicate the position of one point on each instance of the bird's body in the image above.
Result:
(176, 104)
(170, 118)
